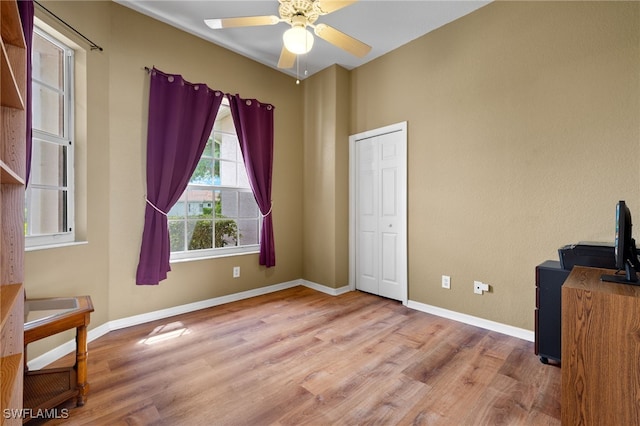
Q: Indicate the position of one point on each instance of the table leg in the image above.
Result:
(81, 364)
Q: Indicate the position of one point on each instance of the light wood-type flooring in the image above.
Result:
(301, 357)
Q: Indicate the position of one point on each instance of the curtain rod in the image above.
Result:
(93, 45)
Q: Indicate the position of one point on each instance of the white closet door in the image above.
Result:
(380, 213)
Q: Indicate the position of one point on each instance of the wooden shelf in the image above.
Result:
(9, 294)
(8, 176)
(44, 389)
(10, 371)
(10, 95)
(11, 30)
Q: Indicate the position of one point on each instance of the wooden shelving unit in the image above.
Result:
(8, 176)
(10, 93)
(12, 171)
(9, 295)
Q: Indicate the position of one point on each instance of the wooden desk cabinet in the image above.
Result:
(47, 388)
(600, 350)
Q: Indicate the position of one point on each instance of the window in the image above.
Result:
(49, 200)
(217, 214)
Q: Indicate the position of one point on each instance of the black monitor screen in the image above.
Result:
(625, 249)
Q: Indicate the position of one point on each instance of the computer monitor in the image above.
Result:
(625, 249)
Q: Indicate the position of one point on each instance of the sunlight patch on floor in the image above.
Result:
(165, 332)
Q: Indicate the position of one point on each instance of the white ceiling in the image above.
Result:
(383, 24)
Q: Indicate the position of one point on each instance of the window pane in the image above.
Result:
(47, 212)
(48, 110)
(217, 141)
(224, 121)
(228, 175)
(179, 210)
(48, 62)
(202, 173)
(226, 233)
(247, 205)
(200, 203)
(200, 233)
(208, 148)
(228, 147)
(243, 179)
(176, 235)
(227, 200)
(48, 163)
(248, 230)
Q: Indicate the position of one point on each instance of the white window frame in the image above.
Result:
(68, 236)
(187, 255)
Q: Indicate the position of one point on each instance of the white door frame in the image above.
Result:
(398, 127)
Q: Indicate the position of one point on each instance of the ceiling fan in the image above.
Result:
(297, 40)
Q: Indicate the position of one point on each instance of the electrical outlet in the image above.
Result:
(446, 281)
(479, 287)
(236, 271)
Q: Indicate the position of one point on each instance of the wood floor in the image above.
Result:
(300, 357)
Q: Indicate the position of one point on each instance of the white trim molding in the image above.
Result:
(509, 330)
(324, 289)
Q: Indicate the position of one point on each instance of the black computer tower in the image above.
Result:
(548, 339)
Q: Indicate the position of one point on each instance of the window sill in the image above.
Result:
(214, 256)
(55, 246)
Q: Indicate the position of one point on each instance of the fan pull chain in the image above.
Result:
(306, 68)
(297, 69)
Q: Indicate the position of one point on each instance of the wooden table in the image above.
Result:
(47, 388)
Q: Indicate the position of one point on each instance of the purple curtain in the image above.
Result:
(181, 116)
(254, 125)
(25, 7)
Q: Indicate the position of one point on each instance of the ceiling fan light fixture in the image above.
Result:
(298, 40)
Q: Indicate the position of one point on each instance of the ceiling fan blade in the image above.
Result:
(287, 59)
(328, 6)
(343, 41)
(248, 21)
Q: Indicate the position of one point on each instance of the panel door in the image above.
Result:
(381, 255)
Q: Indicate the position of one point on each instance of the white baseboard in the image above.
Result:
(70, 346)
(324, 289)
(509, 330)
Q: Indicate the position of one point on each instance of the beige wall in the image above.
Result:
(326, 189)
(116, 109)
(524, 131)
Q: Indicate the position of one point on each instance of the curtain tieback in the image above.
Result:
(269, 212)
(154, 206)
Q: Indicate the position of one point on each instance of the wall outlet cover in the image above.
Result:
(446, 281)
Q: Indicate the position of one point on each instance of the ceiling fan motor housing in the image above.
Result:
(297, 11)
